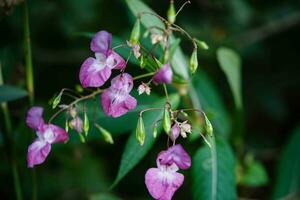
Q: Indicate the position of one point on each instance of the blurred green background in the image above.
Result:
(265, 34)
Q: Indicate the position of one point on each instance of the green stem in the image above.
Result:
(29, 80)
(8, 126)
(28, 56)
(166, 92)
(143, 76)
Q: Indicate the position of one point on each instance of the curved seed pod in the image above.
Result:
(140, 131)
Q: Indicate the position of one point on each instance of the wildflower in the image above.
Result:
(162, 182)
(185, 128)
(96, 71)
(47, 135)
(116, 100)
(144, 88)
(163, 75)
(135, 49)
(175, 131)
(76, 124)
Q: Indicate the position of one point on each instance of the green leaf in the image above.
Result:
(254, 175)
(10, 93)
(212, 103)
(213, 172)
(179, 63)
(174, 45)
(230, 63)
(133, 152)
(288, 178)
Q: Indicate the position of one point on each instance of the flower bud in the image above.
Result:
(171, 14)
(166, 119)
(76, 124)
(67, 126)
(201, 44)
(140, 132)
(144, 88)
(194, 61)
(135, 33)
(175, 131)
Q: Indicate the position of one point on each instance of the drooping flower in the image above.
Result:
(162, 182)
(163, 75)
(94, 72)
(116, 100)
(175, 131)
(47, 135)
(135, 49)
(185, 128)
(76, 124)
(144, 88)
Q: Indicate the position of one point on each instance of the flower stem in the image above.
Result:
(92, 95)
(166, 92)
(143, 76)
(10, 146)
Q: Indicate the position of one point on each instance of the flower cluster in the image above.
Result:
(164, 180)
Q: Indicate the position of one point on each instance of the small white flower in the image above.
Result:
(156, 37)
(144, 88)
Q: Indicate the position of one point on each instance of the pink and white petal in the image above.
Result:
(173, 186)
(101, 42)
(60, 135)
(122, 82)
(93, 74)
(175, 154)
(130, 102)
(119, 62)
(34, 117)
(37, 152)
(106, 101)
(154, 183)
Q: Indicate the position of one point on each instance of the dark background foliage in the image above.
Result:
(265, 33)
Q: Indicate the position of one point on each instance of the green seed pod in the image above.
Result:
(86, 124)
(171, 14)
(194, 61)
(56, 101)
(67, 126)
(140, 132)
(201, 44)
(208, 126)
(166, 120)
(82, 139)
(154, 133)
(143, 61)
(135, 33)
(106, 134)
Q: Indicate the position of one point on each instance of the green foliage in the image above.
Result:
(212, 103)
(230, 63)
(255, 175)
(133, 152)
(104, 196)
(11, 93)
(288, 178)
(179, 63)
(213, 172)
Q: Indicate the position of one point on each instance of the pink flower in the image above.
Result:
(116, 100)
(163, 75)
(175, 131)
(47, 135)
(94, 72)
(76, 124)
(162, 182)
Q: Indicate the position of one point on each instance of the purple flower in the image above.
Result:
(47, 135)
(116, 100)
(163, 75)
(94, 72)
(175, 131)
(76, 124)
(162, 182)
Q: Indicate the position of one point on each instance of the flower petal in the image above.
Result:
(34, 117)
(164, 75)
(93, 73)
(101, 42)
(162, 184)
(175, 131)
(37, 152)
(114, 107)
(122, 82)
(175, 154)
(117, 62)
(60, 135)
